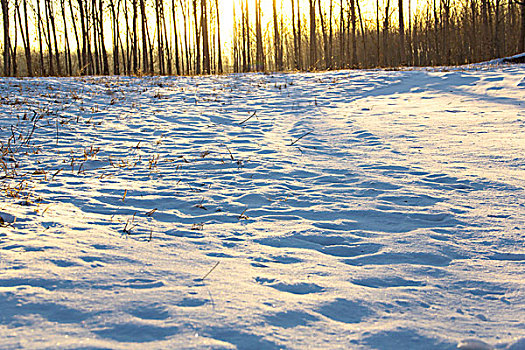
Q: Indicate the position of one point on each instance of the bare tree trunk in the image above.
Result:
(160, 43)
(69, 65)
(115, 29)
(126, 55)
(134, 41)
(379, 56)
(75, 31)
(186, 47)
(28, 47)
(176, 37)
(402, 54)
(248, 41)
(219, 49)
(283, 39)
(151, 67)
(299, 37)
(354, 39)
(313, 42)
(363, 34)
(7, 39)
(259, 55)
(236, 60)
(277, 39)
(386, 28)
(342, 35)
(474, 32)
(169, 64)
(87, 58)
(246, 51)
(484, 28)
(330, 37)
(410, 47)
(47, 36)
(446, 31)
(145, 59)
(14, 47)
(24, 31)
(96, 48)
(521, 43)
(51, 22)
(325, 36)
(40, 39)
(294, 33)
(437, 55)
(205, 38)
(197, 39)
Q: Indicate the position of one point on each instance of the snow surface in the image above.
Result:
(353, 210)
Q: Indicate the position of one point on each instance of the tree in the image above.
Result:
(313, 42)
(115, 36)
(67, 48)
(386, 28)
(40, 41)
(325, 36)
(259, 53)
(7, 39)
(206, 64)
(277, 40)
(299, 36)
(354, 39)
(521, 42)
(24, 32)
(402, 33)
(219, 58)
(75, 31)
(197, 39)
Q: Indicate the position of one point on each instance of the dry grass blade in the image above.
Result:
(149, 213)
(56, 173)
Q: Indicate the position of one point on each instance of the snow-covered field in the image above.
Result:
(339, 210)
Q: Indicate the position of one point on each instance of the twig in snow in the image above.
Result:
(230, 152)
(211, 270)
(250, 117)
(35, 120)
(200, 205)
(294, 142)
(242, 216)
(129, 225)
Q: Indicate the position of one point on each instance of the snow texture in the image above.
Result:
(343, 210)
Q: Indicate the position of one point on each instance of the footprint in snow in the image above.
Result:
(290, 319)
(293, 288)
(150, 312)
(346, 311)
(386, 282)
(136, 333)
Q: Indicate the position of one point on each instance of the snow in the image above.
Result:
(354, 209)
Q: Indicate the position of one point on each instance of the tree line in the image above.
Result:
(183, 37)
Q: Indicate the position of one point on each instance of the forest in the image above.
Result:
(186, 37)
